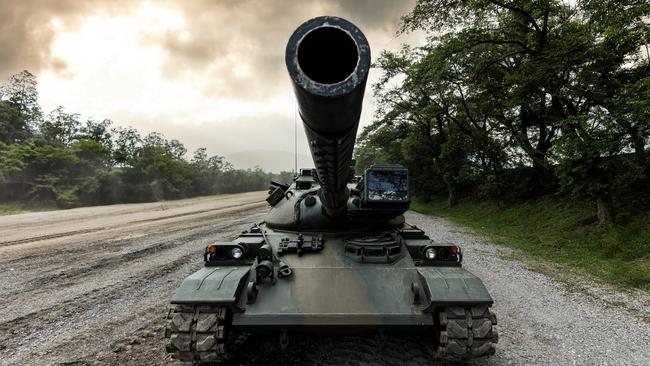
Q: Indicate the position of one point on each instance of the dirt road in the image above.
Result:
(91, 286)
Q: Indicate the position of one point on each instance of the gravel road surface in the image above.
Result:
(91, 286)
(557, 318)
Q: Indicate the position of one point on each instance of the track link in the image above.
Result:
(466, 332)
(198, 333)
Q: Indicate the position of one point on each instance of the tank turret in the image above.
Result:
(328, 59)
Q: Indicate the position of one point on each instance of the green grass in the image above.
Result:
(13, 208)
(561, 231)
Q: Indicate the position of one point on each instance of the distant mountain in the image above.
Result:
(273, 161)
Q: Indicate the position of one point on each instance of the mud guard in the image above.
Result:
(213, 285)
(445, 286)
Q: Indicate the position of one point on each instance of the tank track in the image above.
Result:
(466, 332)
(201, 334)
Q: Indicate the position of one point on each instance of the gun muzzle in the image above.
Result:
(328, 59)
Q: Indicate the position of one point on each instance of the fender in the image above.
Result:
(446, 286)
(213, 285)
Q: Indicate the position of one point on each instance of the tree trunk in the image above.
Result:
(498, 182)
(536, 183)
(639, 152)
(605, 209)
(452, 195)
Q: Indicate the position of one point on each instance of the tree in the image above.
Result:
(97, 131)
(439, 123)
(22, 91)
(126, 144)
(620, 72)
(13, 124)
(60, 128)
(516, 56)
(631, 110)
(12, 166)
(176, 148)
(20, 112)
(595, 142)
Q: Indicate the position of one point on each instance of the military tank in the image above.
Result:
(334, 254)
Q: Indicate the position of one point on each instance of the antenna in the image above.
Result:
(295, 138)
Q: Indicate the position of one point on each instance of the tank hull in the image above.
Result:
(329, 292)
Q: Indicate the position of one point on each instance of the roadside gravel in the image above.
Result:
(556, 319)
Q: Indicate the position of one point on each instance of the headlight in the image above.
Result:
(236, 253)
(430, 253)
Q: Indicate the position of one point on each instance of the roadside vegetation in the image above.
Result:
(532, 119)
(561, 231)
(13, 208)
(57, 159)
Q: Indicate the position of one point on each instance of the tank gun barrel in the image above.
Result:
(328, 60)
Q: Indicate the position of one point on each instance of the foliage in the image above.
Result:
(60, 159)
(544, 91)
(21, 94)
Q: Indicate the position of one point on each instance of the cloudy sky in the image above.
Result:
(209, 73)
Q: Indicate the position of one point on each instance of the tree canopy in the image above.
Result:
(525, 96)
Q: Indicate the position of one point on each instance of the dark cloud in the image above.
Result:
(237, 47)
(26, 33)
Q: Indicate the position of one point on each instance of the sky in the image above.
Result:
(208, 73)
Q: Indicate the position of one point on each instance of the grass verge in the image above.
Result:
(14, 208)
(558, 230)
